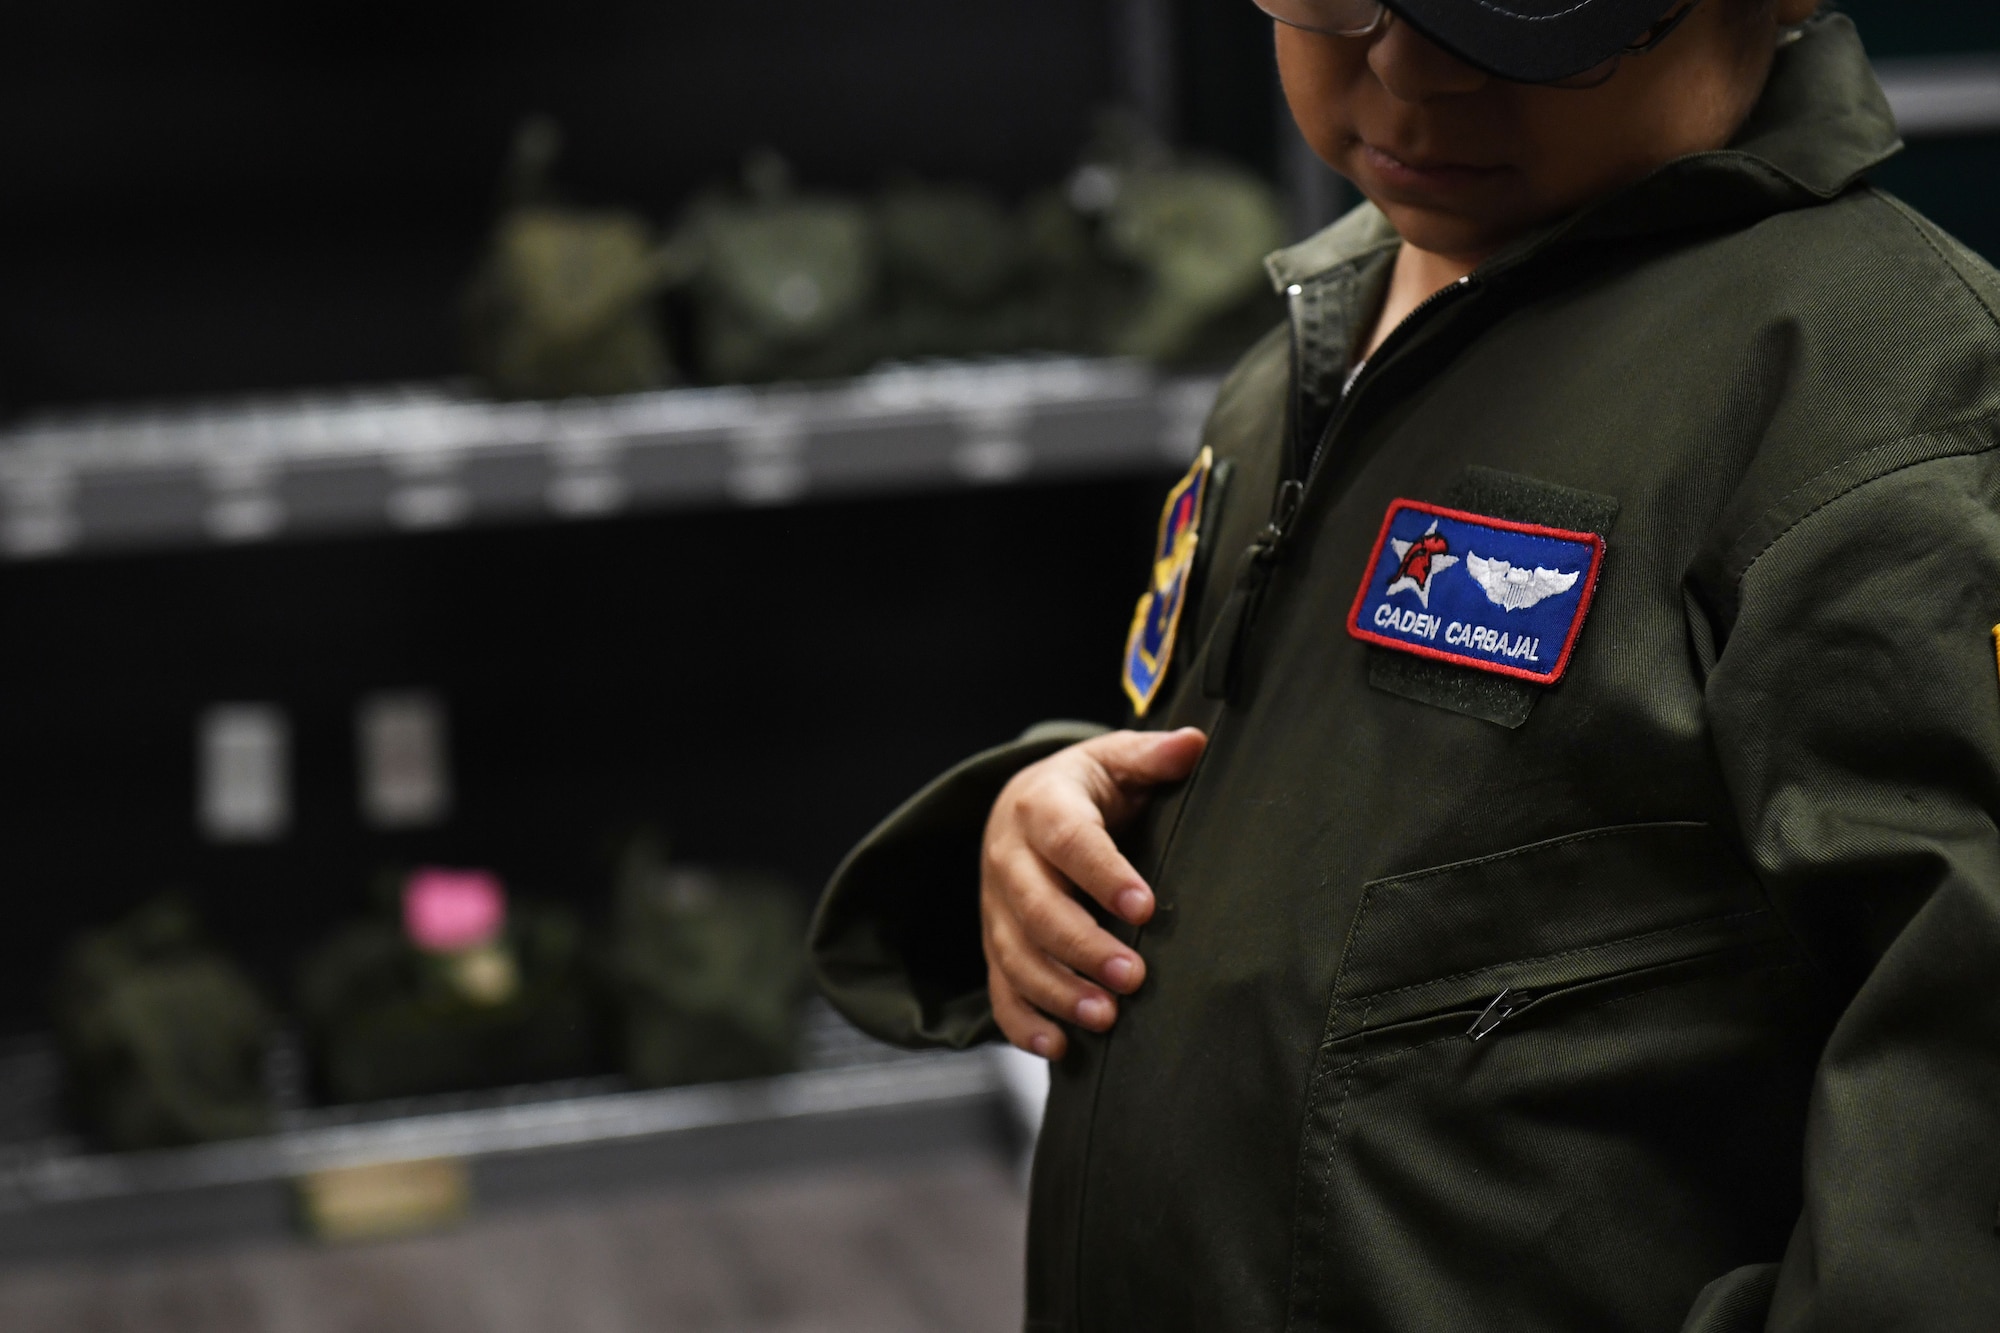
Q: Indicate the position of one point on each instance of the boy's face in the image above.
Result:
(1464, 163)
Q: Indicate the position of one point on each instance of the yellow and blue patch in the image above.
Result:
(1486, 593)
(1149, 648)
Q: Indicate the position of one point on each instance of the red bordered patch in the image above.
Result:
(1486, 593)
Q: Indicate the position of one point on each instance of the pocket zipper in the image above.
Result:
(1504, 1006)
(1517, 1002)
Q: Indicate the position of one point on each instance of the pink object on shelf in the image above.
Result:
(449, 911)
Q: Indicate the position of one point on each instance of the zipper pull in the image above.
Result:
(1508, 1002)
(1222, 662)
(1284, 510)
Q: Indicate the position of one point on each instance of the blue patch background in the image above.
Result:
(1141, 679)
(1457, 597)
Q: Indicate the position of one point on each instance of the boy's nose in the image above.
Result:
(1414, 68)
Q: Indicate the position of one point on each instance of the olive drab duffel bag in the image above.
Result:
(462, 992)
(163, 1039)
(710, 972)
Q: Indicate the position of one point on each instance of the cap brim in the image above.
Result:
(1533, 41)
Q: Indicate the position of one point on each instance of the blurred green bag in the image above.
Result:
(954, 244)
(956, 263)
(1199, 233)
(162, 1037)
(386, 1020)
(784, 285)
(564, 306)
(1076, 294)
(710, 971)
(1189, 235)
(564, 302)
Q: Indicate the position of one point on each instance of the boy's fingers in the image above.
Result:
(1081, 849)
(1056, 924)
(1043, 983)
(1022, 1025)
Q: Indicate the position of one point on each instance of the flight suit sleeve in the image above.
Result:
(896, 940)
(1855, 706)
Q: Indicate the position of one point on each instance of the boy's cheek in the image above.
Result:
(1319, 75)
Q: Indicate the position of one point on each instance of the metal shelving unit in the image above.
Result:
(1939, 96)
(425, 458)
(853, 1098)
(429, 459)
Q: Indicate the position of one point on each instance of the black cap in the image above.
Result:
(1534, 41)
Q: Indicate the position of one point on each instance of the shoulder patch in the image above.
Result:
(1486, 593)
(1149, 647)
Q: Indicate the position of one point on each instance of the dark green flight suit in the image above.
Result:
(1739, 869)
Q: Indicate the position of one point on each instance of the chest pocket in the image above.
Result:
(1540, 919)
(1637, 1089)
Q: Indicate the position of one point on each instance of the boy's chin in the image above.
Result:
(1450, 235)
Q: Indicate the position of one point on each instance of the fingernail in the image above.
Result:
(1132, 903)
(1039, 1043)
(1093, 1012)
(1120, 971)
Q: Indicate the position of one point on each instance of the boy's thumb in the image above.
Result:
(1148, 758)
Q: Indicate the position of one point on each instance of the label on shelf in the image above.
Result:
(383, 1199)
(243, 773)
(405, 763)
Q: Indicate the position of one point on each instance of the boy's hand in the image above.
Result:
(1049, 838)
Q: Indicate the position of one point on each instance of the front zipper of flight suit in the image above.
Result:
(1223, 664)
(1223, 651)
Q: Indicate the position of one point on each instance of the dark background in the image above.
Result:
(1956, 181)
(216, 198)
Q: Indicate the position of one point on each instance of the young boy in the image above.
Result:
(1557, 886)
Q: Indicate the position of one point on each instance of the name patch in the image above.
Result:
(1479, 592)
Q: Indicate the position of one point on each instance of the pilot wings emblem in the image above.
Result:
(1516, 589)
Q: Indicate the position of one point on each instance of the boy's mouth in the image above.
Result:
(1427, 173)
